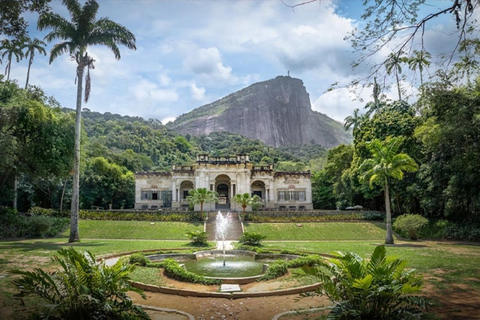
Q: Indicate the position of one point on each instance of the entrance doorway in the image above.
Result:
(222, 186)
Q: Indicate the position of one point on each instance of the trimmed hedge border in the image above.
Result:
(311, 216)
(141, 216)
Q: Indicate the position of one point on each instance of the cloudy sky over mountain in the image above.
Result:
(190, 53)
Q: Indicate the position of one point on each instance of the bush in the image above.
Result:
(175, 271)
(13, 225)
(138, 259)
(309, 260)
(276, 269)
(251, 248)
(377, 288)
(141, 216)
(39, 211)
(82, 288)
(198, 238)
(252, 239)
(373, 216)
(410, 224)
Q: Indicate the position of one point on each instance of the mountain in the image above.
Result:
(277, 112)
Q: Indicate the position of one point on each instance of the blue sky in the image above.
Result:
(190, 53)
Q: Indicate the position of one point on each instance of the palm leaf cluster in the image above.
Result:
(245, 199)
(377, 288)
(82, 288)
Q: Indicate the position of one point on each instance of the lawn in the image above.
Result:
(101, 229)
(448, 267)
(319, 230)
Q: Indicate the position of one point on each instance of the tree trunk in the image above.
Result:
(63, 195)
(28, 71)
(15, 192)
(398, 86)
(74, 234)
(389, 239)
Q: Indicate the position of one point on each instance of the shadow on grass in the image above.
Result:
(53, 244)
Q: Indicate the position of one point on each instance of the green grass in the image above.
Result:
(319, 231)
(147, 275)
(102, 229)
(453, 263)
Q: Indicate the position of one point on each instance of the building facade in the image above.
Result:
(227, 176)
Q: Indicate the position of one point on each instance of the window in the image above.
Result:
(154, 195)
(144, 195)
(291, 195)
(281, 195)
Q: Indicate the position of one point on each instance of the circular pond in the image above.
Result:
(232, 266)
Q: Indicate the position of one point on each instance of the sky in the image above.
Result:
(190, 53)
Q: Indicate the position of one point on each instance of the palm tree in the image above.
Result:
(76, 35)
(31, 46)
(387, 163)
(246, 199)
(393, 64)
(419, 60)
(201, 196)
(10, 49)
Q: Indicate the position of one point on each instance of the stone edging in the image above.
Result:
(234, 295)
(183, 313)
(298, 312)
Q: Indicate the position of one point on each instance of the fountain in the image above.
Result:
(221, 228)
(232, 266)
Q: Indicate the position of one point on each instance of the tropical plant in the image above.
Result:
(201, 196)
(410, 224)
(83, 288)
(246, 199)
(10, 49)
(419, 60)
(387, 163)
(377, 288)
(251, 239)
(393, 64)
(32, 46)
(197, 237)
(76, 35)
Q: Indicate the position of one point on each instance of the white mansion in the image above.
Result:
(227, 176)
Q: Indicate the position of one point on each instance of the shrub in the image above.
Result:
(276, 269)
(410, 224)
(82, 288)
(175, 271)
(309, 260)
(251, 248)
(13, 225)
(252, 239)
(375, 288)
(373, 216)
(138, 259)
(198, 238)
(39, 211)
(141, 216)
(39, 225)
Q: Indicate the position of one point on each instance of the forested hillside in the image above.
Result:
(37, 151)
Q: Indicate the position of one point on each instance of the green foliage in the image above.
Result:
(317, 216)
(410, 224)
(198, 237)
(309, 260)
(377, 288)
(201, 196)
(83, 288)
(256, 249)
(138, 259)
(140, 216)
(173, 270)
(246, 199)
(373, 216)
(251, 239)
(13, 225)
(276, 269)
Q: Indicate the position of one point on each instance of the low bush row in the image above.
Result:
(448, 230)
(14, 225)
(279, 268)
(141, 216)
(175, 271)
(302, 216)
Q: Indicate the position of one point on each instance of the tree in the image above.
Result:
(11, 48)
(31, 46)
(201, 196)
(419, 60)
(246, 199)
(393, 64)
(387, 163)
(12, 21)
(82, 31)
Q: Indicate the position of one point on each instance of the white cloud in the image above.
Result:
(149, 92)
(208, 62)
(197, 93)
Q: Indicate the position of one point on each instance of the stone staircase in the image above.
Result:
(234, 226)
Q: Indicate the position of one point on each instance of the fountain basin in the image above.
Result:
(241, 266)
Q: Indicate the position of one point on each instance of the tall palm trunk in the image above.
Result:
(389, 239)
(30, 61)
(15, 192)
(398, 85)
(74, 234)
